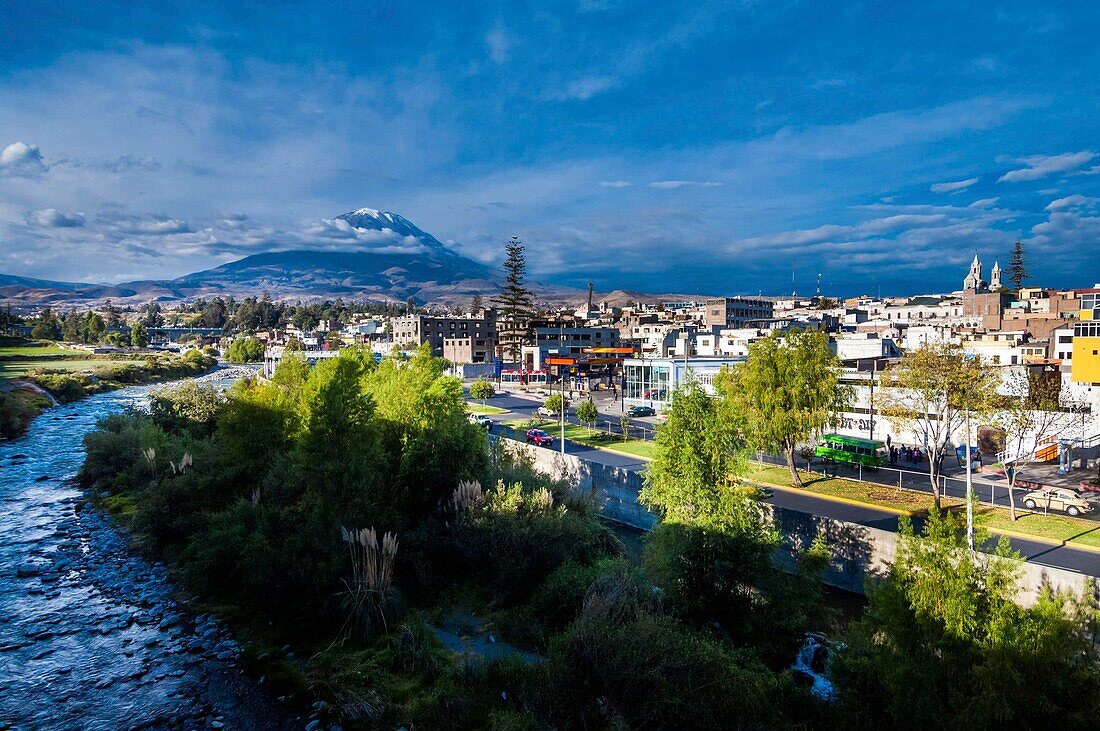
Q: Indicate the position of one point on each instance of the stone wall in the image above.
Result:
(861, 553)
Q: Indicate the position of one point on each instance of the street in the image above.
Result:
(1074, 559)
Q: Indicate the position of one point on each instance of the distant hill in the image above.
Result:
(12, 281)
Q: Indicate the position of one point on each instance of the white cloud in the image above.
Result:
(53, 218)
(19, 158)
(500, 43)
(672, 184)
(984, 203)
(1040, 166)
(615, 183)
(586, 88)
(149, 224)
(1072, 201)
(953, 187)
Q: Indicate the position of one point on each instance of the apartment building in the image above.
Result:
(735, 312)
(411, 331)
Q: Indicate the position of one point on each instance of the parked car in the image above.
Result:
(481, 420)
(539, 438)
(636, 411)
(546, 413)
(1057, 498)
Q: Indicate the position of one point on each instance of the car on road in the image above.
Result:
(636, 411)
(481, 420)
(1057, 498)
(546, 413)
(539, 438)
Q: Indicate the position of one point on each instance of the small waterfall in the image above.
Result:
(811, 664)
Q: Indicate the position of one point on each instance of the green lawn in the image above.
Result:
(590, 437)
(478, 408)
(19, 367)
(38, 351)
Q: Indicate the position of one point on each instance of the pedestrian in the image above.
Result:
(888, 440)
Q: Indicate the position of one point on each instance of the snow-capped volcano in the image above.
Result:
(370, 219)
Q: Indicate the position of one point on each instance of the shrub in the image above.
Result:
(65, 387)
(415, 648)
(188, 405)
(622, 664)
(245, 350)
(481, 390)
(513, 538)
(559, 599)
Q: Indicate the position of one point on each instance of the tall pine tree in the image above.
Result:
(1017, 267)
(515, 302)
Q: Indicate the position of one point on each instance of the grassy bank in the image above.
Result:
(476, 407)
(72, 375)
(19, 405)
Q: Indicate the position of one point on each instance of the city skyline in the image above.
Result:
(697, 150)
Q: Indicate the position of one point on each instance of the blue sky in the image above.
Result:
(690, 148)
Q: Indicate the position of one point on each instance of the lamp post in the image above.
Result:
(561, 347)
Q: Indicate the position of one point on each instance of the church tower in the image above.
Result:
(974, 278)
(995, 276)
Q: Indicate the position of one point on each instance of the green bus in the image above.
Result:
(852, 450)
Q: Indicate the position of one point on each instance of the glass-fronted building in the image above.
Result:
(651, 381)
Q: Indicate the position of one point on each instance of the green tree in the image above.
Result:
(338, 445)
(555, 402)
(476, 303)
(139, 335)
(482, 390)
(47, 326)
(515, 302)
(587, 413)
(929, 392)
(700, 455)
(111, 314)
(1017, 267)
(152, 316)
(943, 644)
(94, 327)
(72, 327)
(788, 390)
(245, 350)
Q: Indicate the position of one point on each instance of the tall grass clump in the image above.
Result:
(370, 594)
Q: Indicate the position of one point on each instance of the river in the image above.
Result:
(92, 635)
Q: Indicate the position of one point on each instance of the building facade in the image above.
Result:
(412, 331)
(738, 312)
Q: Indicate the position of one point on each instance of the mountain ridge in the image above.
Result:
(389, 258)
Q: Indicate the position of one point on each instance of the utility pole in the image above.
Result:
(871, 421)
(969, 488)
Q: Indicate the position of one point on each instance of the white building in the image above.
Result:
(651, 381)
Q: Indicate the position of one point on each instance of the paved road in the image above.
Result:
(1074, 559)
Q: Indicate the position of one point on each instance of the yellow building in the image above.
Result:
(1086, 339)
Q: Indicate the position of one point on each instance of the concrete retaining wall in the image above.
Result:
(861, 553)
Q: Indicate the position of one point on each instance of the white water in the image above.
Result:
(822, 687)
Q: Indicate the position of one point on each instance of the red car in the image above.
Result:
(539, 438)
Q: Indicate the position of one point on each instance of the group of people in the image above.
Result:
(908, 454)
